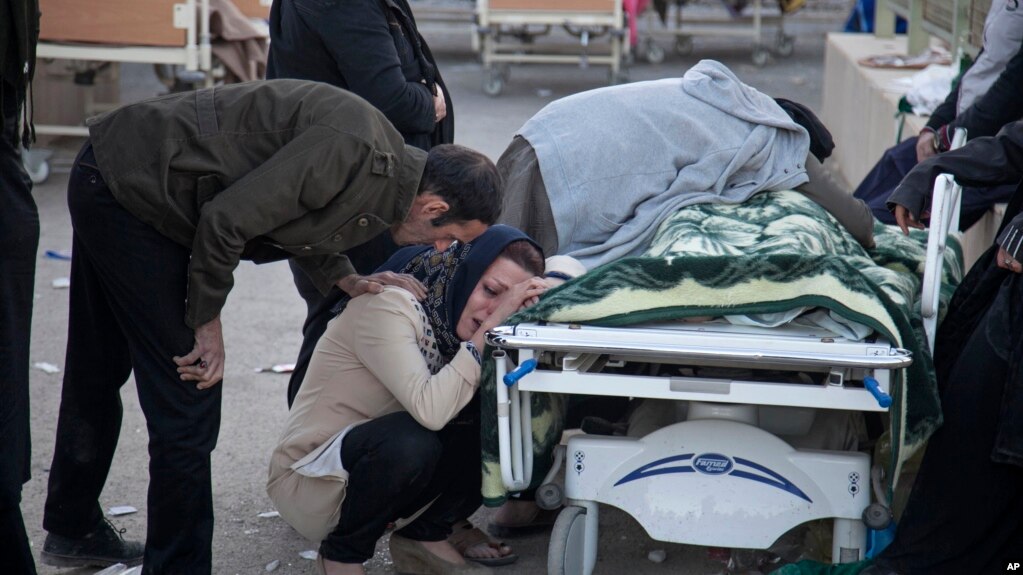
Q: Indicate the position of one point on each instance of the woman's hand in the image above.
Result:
(440, 107)
(519, 296)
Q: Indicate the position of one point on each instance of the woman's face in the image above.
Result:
(499, 277)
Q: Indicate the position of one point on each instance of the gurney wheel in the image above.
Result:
(494, 83)
(566, 554)
(786, 45)
(38, 173)
(684, 45)
(759, 55)
(653, 51)
(550, 496)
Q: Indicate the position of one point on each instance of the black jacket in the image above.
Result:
(982, 162)
(987, 289)
(370, 47)
(19, 32)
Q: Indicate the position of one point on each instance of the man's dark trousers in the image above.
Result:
(19, 239)
(128, 289)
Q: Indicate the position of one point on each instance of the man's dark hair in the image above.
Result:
(467, 180)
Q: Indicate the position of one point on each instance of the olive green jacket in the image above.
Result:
(261, 171)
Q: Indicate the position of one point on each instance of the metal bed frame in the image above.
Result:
(718, 478)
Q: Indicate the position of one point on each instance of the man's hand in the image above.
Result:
(440, 105)
(906, 220)
(1010, 243)
(356, 285)
(205, 364)
(925, 145)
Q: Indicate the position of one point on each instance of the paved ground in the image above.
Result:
(264, 314)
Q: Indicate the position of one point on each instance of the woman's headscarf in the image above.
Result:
(451, 276)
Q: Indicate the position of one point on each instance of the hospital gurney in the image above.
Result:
(682, 28)
(723, 477)
(506, 31)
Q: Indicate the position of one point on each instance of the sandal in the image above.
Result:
(464, 536)
(540, 520)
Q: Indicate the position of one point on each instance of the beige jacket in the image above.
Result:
(371, 361)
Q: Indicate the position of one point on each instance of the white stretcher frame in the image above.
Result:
(192, 16)
(945, 210)
(870, 360)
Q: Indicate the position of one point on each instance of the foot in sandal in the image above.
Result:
(518, 518)
(477, 546)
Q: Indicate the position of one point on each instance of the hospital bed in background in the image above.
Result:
(173, 35)
(723, 477)
(507, 30)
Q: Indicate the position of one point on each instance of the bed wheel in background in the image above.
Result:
(759, 55)
(619, 77)
(785, 45)
(684, 45)
(37, 164)
(653, 51)
(493, 83)
(566, 553)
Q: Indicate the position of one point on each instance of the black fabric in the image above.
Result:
(370, 47)
(396, 467)
(821, 142)
(19, 32)
(893, 166)
(19, 240)
(128, 286)
(965, 513)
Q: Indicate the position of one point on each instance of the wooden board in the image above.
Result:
(130, 22)
(605, 6)
(254, 8)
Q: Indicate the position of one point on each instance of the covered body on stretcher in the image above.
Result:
(723, 477)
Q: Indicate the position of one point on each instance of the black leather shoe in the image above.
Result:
(103, 547)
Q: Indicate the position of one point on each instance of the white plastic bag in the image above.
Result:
(929, 87)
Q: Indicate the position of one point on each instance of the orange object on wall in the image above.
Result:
(254, 8)
(130, 22)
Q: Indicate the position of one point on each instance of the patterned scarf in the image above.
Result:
(450, 277)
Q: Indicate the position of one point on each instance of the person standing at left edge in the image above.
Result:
(166, 198)
(19, 239)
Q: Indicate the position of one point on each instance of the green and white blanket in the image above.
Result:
(775, 252)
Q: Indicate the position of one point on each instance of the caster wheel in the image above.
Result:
(759, 56)
(39, 173)
(876, 516)
(493, 84)
(684, 45)
(653, 51)
(550, 496)
(565, 555)
(785, 46)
